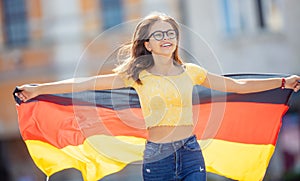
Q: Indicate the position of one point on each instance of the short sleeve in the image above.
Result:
(129, 82)
(196, 73)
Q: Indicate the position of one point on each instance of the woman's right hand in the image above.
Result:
(27, 92)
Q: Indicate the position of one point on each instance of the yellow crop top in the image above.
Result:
(167, 100)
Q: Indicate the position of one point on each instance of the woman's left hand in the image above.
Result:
(293, 82)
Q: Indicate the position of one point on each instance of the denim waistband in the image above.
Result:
(175, 144)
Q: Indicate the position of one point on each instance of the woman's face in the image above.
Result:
(162, 39)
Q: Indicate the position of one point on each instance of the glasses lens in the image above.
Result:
(171, 34)
(159, 35)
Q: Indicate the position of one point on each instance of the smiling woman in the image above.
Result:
(162, 43)
(164, 84)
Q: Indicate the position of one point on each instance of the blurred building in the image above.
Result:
(247, 36)
(44, 40)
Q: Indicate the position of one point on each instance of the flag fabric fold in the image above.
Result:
(101, 132)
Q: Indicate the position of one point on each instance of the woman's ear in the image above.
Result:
(147, 46)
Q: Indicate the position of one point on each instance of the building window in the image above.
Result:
(240, 16)
(15, 26)
(112, 13)
(235, 16)
(269, 14)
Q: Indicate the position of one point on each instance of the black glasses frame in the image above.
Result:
(167, 33)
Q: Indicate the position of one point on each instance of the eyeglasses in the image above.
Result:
(160, 35)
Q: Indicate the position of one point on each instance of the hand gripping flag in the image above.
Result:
(100, 132)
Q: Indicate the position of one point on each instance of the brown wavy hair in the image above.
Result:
(134, 57)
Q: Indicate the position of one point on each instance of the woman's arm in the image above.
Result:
(101, 82)
(242, 86)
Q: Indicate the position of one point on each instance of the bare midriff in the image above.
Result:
(165, 134)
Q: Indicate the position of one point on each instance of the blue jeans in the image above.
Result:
(180, 160)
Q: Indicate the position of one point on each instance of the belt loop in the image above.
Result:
(182, 142)
(159, 148)
(174, 146)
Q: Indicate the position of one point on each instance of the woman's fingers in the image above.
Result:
(297, 87)
(293, 82)
(21, 96)
(22, 93)
(296, 83)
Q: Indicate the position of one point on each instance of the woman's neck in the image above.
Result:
(160, 59)
(163, 66)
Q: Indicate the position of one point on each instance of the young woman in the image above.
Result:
(164, 84)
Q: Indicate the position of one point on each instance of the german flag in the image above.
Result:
(101, 132)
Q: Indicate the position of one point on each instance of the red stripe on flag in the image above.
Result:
(58, 125)
(243, 122)
(61, 125)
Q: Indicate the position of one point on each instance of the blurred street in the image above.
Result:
(43, 41)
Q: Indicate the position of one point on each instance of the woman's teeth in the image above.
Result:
(166, 44)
